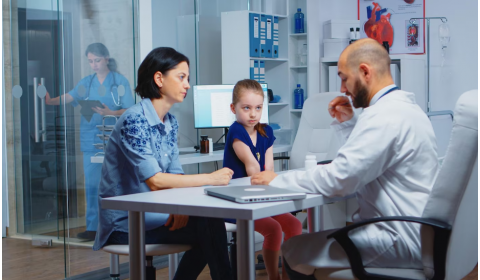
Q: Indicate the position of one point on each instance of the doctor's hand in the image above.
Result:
(221, 177)
(341, 109)
(105, 111)
(176, 222)
(263, 178)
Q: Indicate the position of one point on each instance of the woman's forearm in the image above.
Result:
(119, 112)
(162, 181)
(56, 100)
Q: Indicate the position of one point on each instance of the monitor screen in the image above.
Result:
(212, 106)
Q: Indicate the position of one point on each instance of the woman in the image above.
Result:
(142, 155)
(113, 91)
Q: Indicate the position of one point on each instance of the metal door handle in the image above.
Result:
(39, 132)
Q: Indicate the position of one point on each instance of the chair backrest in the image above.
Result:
(454, 195)
(314, 135)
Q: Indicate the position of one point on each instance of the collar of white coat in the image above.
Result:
(380, 93)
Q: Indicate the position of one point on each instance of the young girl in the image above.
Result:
(248, 151)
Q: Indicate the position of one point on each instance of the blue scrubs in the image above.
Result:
(89, 87)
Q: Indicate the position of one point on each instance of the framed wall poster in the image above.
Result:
(389, 20)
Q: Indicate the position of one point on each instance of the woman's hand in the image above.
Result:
(48, 100)
(341, 109)
(105, 111)
(176, 221)
(221, 177)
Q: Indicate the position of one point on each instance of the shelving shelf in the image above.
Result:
(299, 67)
(278, 104)
(270, 59)
(296, 110)
(298, 34)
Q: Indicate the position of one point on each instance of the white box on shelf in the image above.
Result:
(334, 47)
(336, 29)
(395, 74)
(334, 82)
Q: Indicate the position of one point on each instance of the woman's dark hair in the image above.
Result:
(161, 60)
(99, 49)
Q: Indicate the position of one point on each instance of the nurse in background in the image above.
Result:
(113, 91)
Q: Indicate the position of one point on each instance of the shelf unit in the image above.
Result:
(281, 74)
(412, 75)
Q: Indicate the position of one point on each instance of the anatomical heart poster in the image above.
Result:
(389, 21)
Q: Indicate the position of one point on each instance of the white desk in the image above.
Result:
(199, 158)
(193, 202)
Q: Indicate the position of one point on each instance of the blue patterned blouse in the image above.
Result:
(139, 147)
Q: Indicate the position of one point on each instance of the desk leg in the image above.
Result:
(245, 250)
(314, 219)
(136, 240)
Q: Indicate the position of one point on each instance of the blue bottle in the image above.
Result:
(299, 27)
(298, 95)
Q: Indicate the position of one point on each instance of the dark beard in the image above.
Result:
(361, 96)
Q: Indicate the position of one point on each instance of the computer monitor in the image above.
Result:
(212, 106)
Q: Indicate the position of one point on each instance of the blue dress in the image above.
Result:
(88, 87)
(230, 159)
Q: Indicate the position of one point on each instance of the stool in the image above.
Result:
(233, 247)
(151, 250)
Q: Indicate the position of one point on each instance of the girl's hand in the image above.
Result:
(263, 178)
(221, 177)
(176, 221)
(105, 111)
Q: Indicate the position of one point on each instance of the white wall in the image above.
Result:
(460, 71)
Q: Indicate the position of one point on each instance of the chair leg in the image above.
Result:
(114, 267)
(233, 254)
(150, 269)
(172, 265)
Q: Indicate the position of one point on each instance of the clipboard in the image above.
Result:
(87, 105)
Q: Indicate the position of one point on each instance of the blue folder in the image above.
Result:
(254, 22)
(252, 69)
(275, 37)
(261, 76)
(256, 70)
(263, 35)
(269, 41)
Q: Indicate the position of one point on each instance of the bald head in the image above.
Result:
(367, 51)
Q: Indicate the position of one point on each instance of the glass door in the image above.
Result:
(73, 71)
(39, 130)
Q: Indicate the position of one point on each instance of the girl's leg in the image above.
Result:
(272, 232)
(291, 226)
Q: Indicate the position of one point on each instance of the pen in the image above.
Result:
(343, 104)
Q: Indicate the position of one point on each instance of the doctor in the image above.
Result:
(388, 160)
(113, 91)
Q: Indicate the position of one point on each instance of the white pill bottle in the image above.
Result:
(310, 161)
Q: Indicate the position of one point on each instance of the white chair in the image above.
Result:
(151, 250)
(315, 137)
(449, 223)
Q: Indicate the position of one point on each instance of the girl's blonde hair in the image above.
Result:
(254, 86)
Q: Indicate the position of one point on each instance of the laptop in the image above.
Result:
(252, 194)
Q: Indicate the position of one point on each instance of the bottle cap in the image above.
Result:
(310, 157)
(351, 29)
(298, 85)
(299, 10)
(358, 29)
(204, 137)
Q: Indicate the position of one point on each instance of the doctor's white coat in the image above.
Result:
(389, 161)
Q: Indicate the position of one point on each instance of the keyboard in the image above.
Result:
(218, 146)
